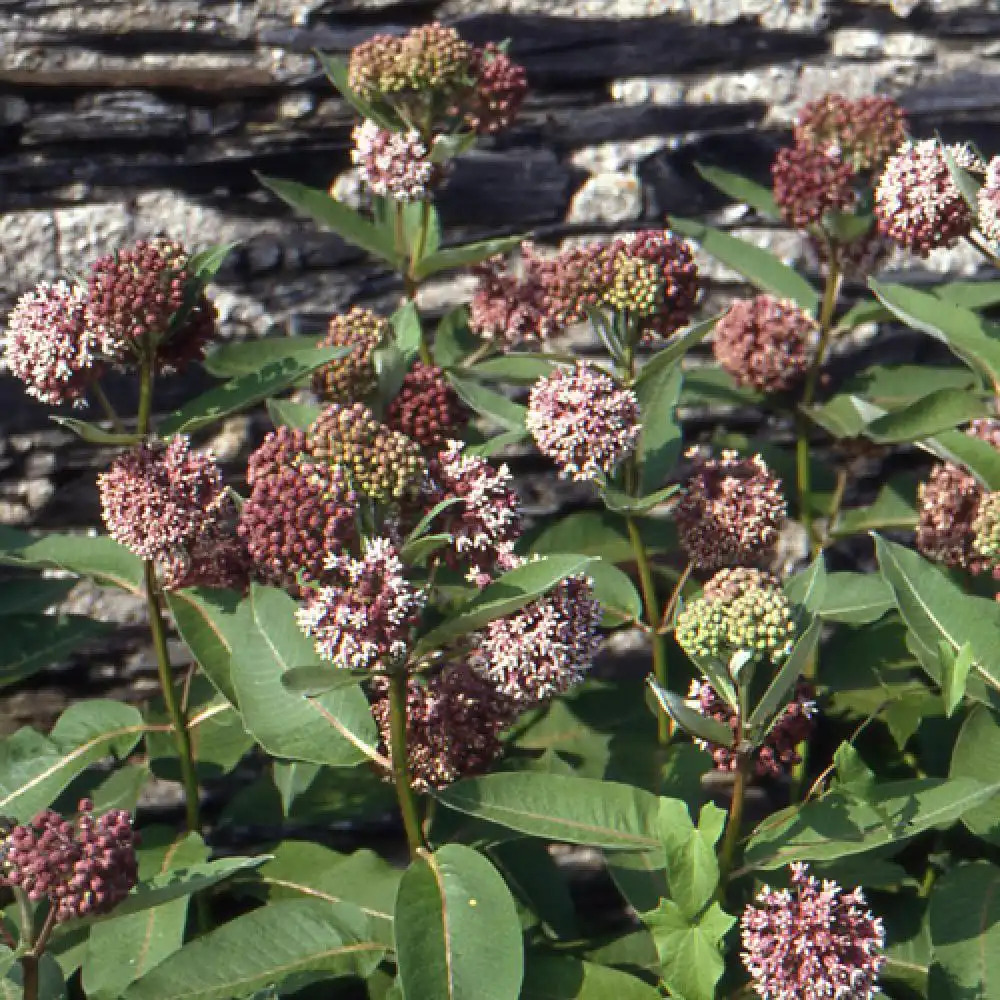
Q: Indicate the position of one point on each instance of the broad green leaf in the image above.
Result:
(690, 720)
(941, 410)
(692, 866)
(741, 189)
(208, 620)
(864, 312)
(31, 594)
(808, 588)
(453, 258)
(893, 386)
(615, 591)
(712, 386)
(854, 598)
(51, 984)
(759, 267)
(775, 697)
(539, 884)
(334, 729)
(319, 678)
(844, 416)
(971, 337)
(511, 591)
(835, 826)
(964, 181)
(32, 642)
(496, 444)
(979, 457)
(263, 947)
(407, 329)
(97, 557)
(623, 503)
(965, 933)
(453, 340)
(337, 73)
(675, 349)
(325, 210)
(690, 950)
(457, 932)
(245, 391)
(205, 264)
(969, 294)
(976, 754)
(243, 357)
(955, 669)
(936, 610)
(565, 977)
(660, 438)
(602, 533)
(95, 434)
(489, 403)
(34, 769)
(302, 869)
(124, 948)
(286, 413)
(559, 807)
(894, 507)
(526, 368)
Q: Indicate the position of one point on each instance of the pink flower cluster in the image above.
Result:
(988, 202)
(84, 868)
(392, 164)
(812, 942)
(363, 620)
(583, 421)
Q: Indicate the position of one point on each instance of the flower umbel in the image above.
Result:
(808, 183)
(427, 409)
(82, 868)
(353, 376)
(363, 620)
(510, 305)
(862, 132)
(392, 164)
(583, 421)
(812, 942)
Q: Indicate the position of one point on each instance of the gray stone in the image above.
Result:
(607, 198)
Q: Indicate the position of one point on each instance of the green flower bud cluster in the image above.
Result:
(380, 462)
(637, 286)
(352, 376)
(740, 609)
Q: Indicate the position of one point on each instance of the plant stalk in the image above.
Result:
(400, 771)
(109, 410)
(651, 608)
(413, 256)
(734, 823)
(29, 960)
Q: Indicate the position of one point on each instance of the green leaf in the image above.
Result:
(866, 311)
(319, 678)
(965, 933)
(675, 348)
(32, 642)
(453, 340)
(692, 866)
(336, 72)
(34, 769)
(325, 210)
(30, 594)
(453, 258)
(408, 331)
(624, 503)
(971, 337)
(712, 386)
(489, 403)
(243, 357)
(521, 368)
(936, 610)
(510, 592)
(742, 189)
(207, 622)
(759, 267)
(95, 434)
(263, 947)
(539, 885)
(837, 826)
(955, 669)
(854, 598)
(559, 807)
(844, 416)
(977, 755)
(939, 411)
(205, 264)
(690, 950)
(615, 591)
(691, 721)
(302, 869)
(969, 294)
(808, 588)
(245, 391)
(457, 932)
(99, 557)
(893, 386)
(124, 948)
(776, 696)
(660, 438)
(966, 184)
(496, 444)
(334, 729)
(893, 508)
(286, 413)
(979, 457)
(601, 533)
(564, 977)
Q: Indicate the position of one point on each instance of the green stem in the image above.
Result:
(144, 421)
(734, 823)
(105, 405)
(36, 945)
(400, 771)
(651, 609)
(182, 737)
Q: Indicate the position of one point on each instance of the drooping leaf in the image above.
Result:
(206, 264)
(979, 457)
(457, 932)
(675, 349)
(452, 258)
(337, 73)
(243, 357)
(95, 434)
(208, 620)
(537, 881)
(34, 769)
(969, 294)
(325, 210)
(559, 807)
(965, 933)
(263, 947)
(976, 754)
(691, 721)
(759, 267)
(32, 642)
(244, 391)
(615, 591)
(407, 331)
(522, 368)
(893, 386)
(660, 438)
(318, 679)
(938, 411)
(894, 507)
(489, 403)
(854, 598)
(741, 189)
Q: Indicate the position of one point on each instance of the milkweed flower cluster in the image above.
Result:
(83, 868)
(583, 421)
(988, 202)
(351, 377)
(731, 512)
(809, 183)
(765, 342)
(392, 164)
(862, 132)
(427, 409)
(141, 301)
(813, 941)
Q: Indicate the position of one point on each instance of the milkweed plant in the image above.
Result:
(793, 796)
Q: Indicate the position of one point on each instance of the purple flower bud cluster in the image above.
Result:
(863, 132)
(427, 409)
(765, 342)
(455, 721)
(583, 421)
(363, 617)
(731, 512)
(392, 164)
(82, 868)
(778, 754)
(808, 183)
(813, 941)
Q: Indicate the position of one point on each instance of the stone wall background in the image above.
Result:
(120, 119)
